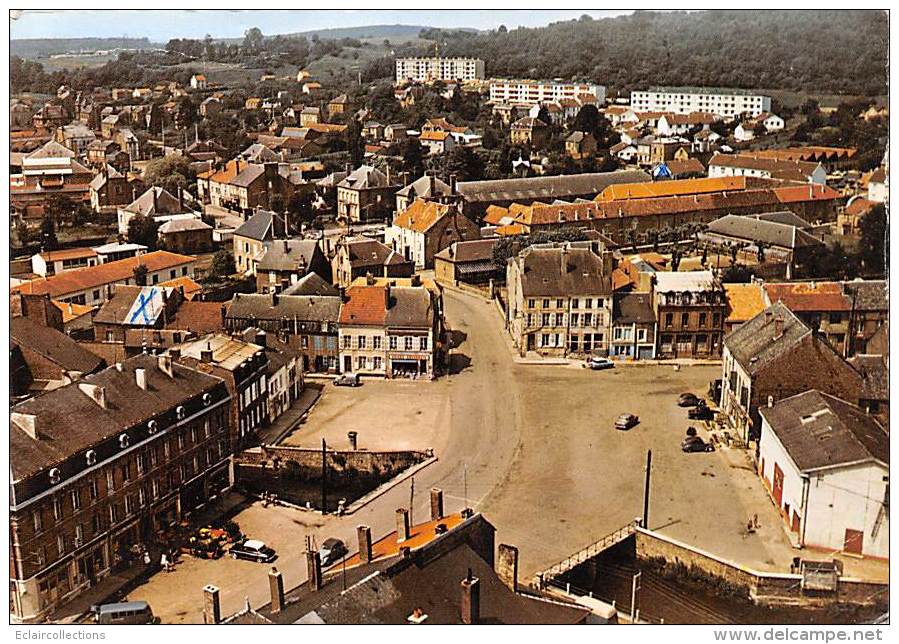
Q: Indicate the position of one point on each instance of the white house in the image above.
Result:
(825, 464)
(750, 165)
(877, 186)
(744, 132)
(198, 81)
(772, 122)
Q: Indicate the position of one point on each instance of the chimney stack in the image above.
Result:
(471, 599)
(453, 183)
(165, 365)
(175, 353)
(314, 569)
(140, 377)
(363, 533)
(402, 525)
(276, 586)
(212, 609)
(260, 337)
(507, 566)
(206, 354)
(369, 279)
(436, 504)
(155, 201)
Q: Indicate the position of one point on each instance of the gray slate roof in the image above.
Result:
(546, 188)
(54, 346)
(783, 217)
(69, 421)
(287, 254)
(300, 307)
(260, 226)
(422, 187)
(475, 250)
(875, 376)
(311, 284)
(164, 203)
(370, 252)
(365, 177)
(756, 343)
(869, 295)
(633, 308)
(551, 272)
(759, 230)
(409, 307)
(821, 431)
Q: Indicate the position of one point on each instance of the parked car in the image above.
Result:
(253, 550)
(687, 400)
(715, 389)
(626, 421)
(696, 444)
(700, 412)
(596, 363)
(348, 380)
(332, 549)
(137, 612)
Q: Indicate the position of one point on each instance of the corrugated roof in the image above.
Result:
(820, 431)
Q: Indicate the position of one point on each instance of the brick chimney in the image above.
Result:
(212, 608)
(276, 587)
(314, 569)
(471, 599)
(507, 566)
(436, 504)
(363, 533)
(206, 354)
(402, 525)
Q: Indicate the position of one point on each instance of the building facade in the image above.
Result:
(531, 92)
(433, 68)
(98, 467)
(690, 308)
(728, 103)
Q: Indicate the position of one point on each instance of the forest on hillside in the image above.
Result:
(844, 52)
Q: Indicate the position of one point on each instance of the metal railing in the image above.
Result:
(595, 548)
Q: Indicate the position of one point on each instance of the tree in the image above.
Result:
(873, 247)
(253, 38)
(140, 274)
(48, 233)
(169, 172)
(461, 161)
(143, 230)
(413, 157)
(354, 143)
(223, 264)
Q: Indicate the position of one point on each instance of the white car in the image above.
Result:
(596, 363)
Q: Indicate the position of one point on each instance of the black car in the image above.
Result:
(253, 550)
(332, 549)
(687, 400)
(696, 444)
(700, 412)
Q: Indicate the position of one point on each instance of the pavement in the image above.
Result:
(531, 447)
(290, 419)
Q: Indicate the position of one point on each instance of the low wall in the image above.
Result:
(762, 587)
(294, 474)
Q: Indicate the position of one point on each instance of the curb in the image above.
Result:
(358, 504)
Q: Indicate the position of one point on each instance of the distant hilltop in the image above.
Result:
(41, 47)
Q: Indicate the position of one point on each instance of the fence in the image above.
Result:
(550, 574)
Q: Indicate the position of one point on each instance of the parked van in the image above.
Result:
(138, 612)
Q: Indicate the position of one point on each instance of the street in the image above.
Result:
(531, 446)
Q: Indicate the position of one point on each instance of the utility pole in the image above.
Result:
(465, 483)
(324, 477)
(646, 490)
(635, 586)
(411, 501)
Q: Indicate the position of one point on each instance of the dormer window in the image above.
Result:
(179, 412)
(91, 457)
(124, 441)
(207, 399)
(54, 475)
(152, 426)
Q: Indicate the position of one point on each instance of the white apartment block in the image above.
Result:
(685, 100)
(530, 92)
(436, 68)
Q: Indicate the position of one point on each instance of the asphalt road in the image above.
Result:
(474, 455)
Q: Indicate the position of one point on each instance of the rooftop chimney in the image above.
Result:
(212, 608)
(175, 353)
(276, 586)
(363, 533)
(314, 569)
(260, 337)
(155, 200)
(471, 599)
(402, 525)
(94, 392)
(507, 566)
(165, 365)
(140, 377)
(415, 280)
(432, 185)
(206, 354)
(768, 315)
(436, 504)
(28, 423)
(369, 279)
(453, 183)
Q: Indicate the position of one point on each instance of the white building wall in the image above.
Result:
(681, 101)
(848, 498)
(532, 92)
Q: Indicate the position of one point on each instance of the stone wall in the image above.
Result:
(762, 587)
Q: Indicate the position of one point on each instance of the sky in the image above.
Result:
(160, 26)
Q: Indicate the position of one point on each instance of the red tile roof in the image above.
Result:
(366, 305)
(809, 296)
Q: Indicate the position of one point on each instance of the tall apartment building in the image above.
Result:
(531, 92)
(686, 100)
(100, 466)
(435, 68)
